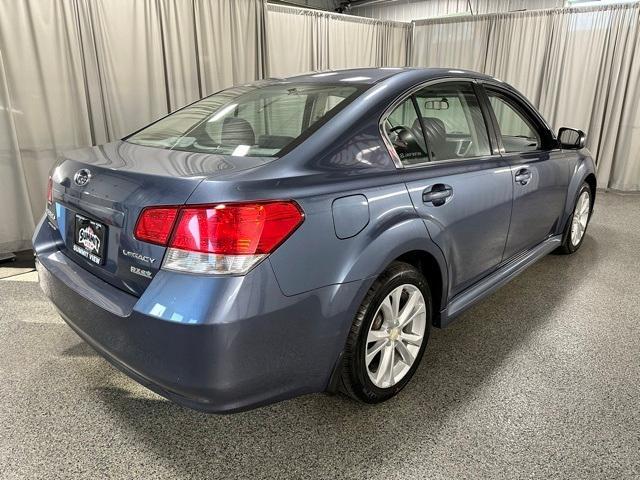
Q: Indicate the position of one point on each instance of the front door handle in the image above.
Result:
(437, 195)
(523, 176)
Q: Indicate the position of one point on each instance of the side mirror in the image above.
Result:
(571, 139)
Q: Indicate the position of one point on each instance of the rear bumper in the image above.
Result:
(217, 344)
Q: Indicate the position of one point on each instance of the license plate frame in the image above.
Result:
(89, 239)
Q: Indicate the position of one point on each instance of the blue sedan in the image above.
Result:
(301, 235)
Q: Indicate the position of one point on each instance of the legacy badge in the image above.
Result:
(138, 256)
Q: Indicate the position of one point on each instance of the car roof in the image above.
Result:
(375, 75)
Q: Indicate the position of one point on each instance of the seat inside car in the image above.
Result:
(436, 134)
(237, 131)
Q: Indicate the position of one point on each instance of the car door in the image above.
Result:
(458, 182)
(539, 170)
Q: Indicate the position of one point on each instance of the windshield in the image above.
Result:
(254, 121)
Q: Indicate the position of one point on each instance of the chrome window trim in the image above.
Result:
(449, 161)
(392, 151)
(402, 98)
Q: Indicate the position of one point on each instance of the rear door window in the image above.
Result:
(453, 122)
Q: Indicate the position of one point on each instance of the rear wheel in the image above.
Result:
(577, 225)
(388, 336)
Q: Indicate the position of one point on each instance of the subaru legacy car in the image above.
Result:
(304, 234)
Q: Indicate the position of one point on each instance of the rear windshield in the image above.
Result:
(253, 121)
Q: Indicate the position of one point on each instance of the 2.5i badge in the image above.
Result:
(141, 272)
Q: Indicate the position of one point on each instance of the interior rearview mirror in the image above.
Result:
(571, 138)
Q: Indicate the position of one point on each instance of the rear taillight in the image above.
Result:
(50, 191)
(219, 239)
(155, 224)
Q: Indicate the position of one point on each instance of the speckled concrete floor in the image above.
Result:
(541, 380)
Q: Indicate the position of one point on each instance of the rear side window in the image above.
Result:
(453, 122)
(517, 130)
(258, 121)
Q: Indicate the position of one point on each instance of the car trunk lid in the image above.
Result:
(99, 192)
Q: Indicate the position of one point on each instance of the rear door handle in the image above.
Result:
(437, 195)
(523, 176)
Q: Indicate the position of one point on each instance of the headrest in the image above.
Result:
(237, 131)
(435, 129)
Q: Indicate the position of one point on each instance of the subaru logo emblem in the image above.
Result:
(82, 177)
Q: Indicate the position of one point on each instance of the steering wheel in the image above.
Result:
(397, 128)
(400, 134)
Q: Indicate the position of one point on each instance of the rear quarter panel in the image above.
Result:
(353, 161)
(314, 256)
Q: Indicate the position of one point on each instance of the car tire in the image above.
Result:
(373, 376)
(576, 228)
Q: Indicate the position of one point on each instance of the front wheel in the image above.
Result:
(577, 225)
(388, 336)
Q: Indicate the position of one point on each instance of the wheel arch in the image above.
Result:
(584, 171)
(593, 185)
(427, 264)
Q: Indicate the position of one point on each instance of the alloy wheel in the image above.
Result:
(395, 335)
(580, 218)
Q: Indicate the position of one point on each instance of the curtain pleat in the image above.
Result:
(579, 66)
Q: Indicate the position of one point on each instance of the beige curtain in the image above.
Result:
(451, 43)
(43, 107)
(16, 220)
(230, 42)
(75, 73)
(296, 40)
(619, 165)
(517, 57)
(179, 44)
(579, 66)
(395, 44)
(352, 42)
(122, 46)
(301, 40)
(361, 42)
(503, 6)
(409, 10)
(590, 87)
